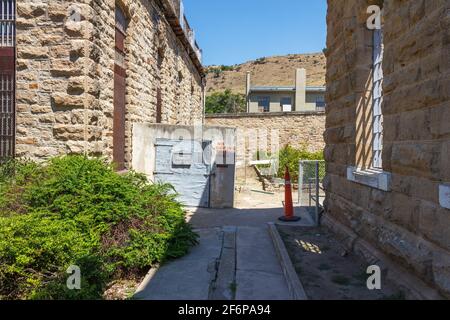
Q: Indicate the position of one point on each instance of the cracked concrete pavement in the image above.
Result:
(235, 258)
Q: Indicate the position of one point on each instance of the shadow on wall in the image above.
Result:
(364, 128)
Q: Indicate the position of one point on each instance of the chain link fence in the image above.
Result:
(310, 186)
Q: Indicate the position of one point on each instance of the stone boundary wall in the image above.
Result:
(407, 223)
(271, 131)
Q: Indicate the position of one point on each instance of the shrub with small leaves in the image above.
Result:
(78, 211)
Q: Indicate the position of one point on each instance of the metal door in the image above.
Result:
(7, 79)
(186, 165)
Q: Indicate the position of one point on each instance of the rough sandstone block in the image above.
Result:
(408, 224)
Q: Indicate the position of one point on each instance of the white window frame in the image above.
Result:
(375, 177)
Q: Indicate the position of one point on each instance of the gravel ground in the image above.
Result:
(122, 289)
(327, 271)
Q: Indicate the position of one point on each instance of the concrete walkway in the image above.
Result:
(258, 272)
(235, 260)
(187, 278)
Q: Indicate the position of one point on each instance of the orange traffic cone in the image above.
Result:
(288, 203)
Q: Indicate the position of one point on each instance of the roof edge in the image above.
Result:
(173, 17)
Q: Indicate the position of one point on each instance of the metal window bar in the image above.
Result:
(310, 186)
(7, 79)
(377, 99)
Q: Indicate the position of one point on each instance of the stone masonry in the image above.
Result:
(273, 130)
(65, 74)
(407, 224)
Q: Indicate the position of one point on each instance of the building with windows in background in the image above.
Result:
(298, 98)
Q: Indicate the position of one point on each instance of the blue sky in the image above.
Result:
(235, 31)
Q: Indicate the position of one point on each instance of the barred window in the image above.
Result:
(264, 104)
(121, 20)
(7, 25)
(377, 96)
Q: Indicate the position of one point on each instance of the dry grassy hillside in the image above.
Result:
(270, 71)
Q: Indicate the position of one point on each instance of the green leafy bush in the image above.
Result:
(225, 102)
(79, 211)
(291, 157)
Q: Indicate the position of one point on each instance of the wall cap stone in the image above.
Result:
(444, 196)
(265, 114)
(373, 178)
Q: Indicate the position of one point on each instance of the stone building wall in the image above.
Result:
(273, 130)
(65, 75)
(406, 224)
